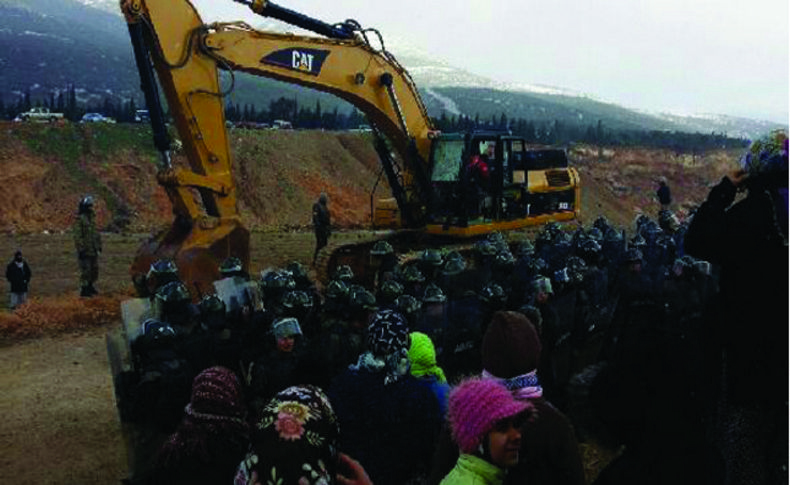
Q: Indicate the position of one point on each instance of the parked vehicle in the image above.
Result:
(282, 125)
(96, 118)
(141, 116)
(40, 114)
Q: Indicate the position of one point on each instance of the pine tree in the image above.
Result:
(71, 104)
(132, 109)
(107, 108)
(317, 116)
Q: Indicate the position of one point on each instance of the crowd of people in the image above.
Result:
(446, 366)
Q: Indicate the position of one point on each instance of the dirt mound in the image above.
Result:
(53, 315)
(279, 174)
(622, 183)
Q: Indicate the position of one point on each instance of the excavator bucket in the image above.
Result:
(197, 252)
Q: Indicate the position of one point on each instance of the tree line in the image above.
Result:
(554, 133)
(557, 133)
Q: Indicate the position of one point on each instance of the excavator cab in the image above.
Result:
(489, 181)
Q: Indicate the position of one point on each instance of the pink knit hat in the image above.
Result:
(475, 407)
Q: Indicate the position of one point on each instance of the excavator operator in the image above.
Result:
(481, 172)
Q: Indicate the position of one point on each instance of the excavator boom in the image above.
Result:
(186, 55)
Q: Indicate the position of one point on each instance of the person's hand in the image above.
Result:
(737, 176)
(352, 472)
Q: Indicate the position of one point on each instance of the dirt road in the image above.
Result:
(59, 422)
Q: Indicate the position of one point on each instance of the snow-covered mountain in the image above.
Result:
(47, 44)
(111, 6)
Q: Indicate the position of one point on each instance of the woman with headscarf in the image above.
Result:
(294, 441)
(212, 437)
(389, 420)
(422, 357)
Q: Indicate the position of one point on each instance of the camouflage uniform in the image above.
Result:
(87, 241)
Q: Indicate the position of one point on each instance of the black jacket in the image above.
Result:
(663, 195)
(750, 317)
(18, 277)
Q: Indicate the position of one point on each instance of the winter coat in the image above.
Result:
(663, 194)
(390, 429)
(321, 218)
(440, 389)
(473, 470)
(549, 451)
(87, 239)
(751, 313)
(18, 277)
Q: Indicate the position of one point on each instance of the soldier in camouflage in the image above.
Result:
(87, 241)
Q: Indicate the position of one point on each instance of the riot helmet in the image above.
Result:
(433, 294)
(86, 204)
(382, 248)
(286, 327)
(155, 334)
(493, 294)
(390, 290)
(633, 255)
(484, 248)
(601, 223)
(362, 299)
(344, 273)
(212, 312)
(337, 290)
(525, 249)
(561, 276)
(230, 267)
(173, 292)
(412, 274)
(431, 257)
(297, 271)
(297, 300)
(407, 305)
(454, 267)
(504, 259)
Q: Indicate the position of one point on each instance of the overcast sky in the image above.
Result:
(683, 56)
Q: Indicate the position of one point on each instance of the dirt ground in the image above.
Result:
(60, 424)
(59, 421)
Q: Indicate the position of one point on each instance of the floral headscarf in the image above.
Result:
(294, 441)
(767, 155)
(388, 347)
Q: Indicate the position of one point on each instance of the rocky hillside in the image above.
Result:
(45, 169)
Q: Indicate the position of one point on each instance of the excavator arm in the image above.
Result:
(186, 54)
(207, 227)
(351, 69)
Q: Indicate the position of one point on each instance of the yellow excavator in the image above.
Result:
(435, 192)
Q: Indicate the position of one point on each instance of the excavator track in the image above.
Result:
(408, 245)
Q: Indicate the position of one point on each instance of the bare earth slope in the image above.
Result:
(45, 169)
